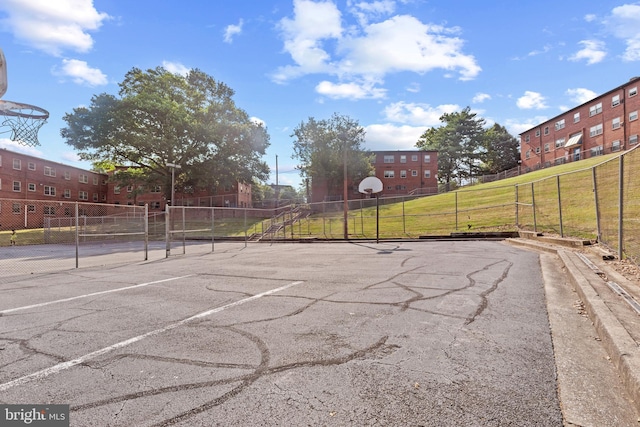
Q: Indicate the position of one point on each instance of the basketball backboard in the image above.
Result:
(370, 184)
(3, 74)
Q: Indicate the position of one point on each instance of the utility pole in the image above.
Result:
(346, 192)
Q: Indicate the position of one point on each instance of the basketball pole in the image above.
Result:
(345, 195)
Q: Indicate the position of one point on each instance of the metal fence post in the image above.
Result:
(167, 231)
(245, 228)
(184, 231)
(456, 203)
(77, 235)
(597, 206)
(620, 207)
(146, 232)
(559, 205)
(533, 206)
(404, 225)
(213, 223)
(517, 207)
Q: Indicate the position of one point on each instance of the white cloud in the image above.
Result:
(175, 68)
(517, 127)
(317, 43)
(350, 90)
(365, 11)
(393, 137)
(581, 95)
(590, 17)
(593, 51)
(231, 31)
(258, 121)
(480, 98)
(413, 87)
(53, 26)
(624, 22)
(531, 100)
(81, 73)
(16, 146)
(417, 114)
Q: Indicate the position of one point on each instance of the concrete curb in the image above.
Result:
(618, 343)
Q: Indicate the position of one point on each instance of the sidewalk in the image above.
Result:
(614, 316)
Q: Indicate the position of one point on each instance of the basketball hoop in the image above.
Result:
(24, 120)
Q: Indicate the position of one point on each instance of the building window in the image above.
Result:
(83, 178)
(527, 138)
(403, 174)
(389, 174)
(615, 123)
(31, 186)
(83, 195)
(427, 158)
(66, 193)
(49, 171)
(595, 109)
(116, 190)
(633, 115)
(16, 208)
(527, 154)
(597, 151)
(49, 210)
(156, 189)
(427, 173)
(633, 91)
(595, 130)
(546, 130)
(414, 157)
(95, 197)
(560, 142)
(537, 150)
(547, 148)
(633, 139)
(155, 205)
(67, 176)
(414, 173)
(389, 159)
(129, 188)
(615, 101)
(17, 186)
(560, 124)
(576, 117)
(537, 132)
(615, 145)
(17, 164)
(49, 190)
(95, 180)
(31, 208)
(403, 159)
(31, 166)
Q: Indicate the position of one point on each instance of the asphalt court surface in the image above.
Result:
(407, 333)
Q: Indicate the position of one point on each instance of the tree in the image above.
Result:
(459, 144)
(163, 118)
(321, 146)
(501, 150)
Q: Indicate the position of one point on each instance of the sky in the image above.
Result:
(395, 66)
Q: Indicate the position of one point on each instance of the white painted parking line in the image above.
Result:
(82, 359)
(93, 294)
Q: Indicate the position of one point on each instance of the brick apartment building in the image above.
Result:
(401, 173)
(606, 124)
(25, 178)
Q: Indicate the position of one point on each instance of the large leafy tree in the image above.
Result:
(162, 118)
(459, 143)
(321, 146)
(501, 150)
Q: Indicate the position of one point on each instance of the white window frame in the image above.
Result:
(83, 178)
(576, 117)
(595, 130)
(427, 158)
(95, 180)
(595, 109)
(31, 166)
(389, 174)
(560, 142)
(67, 176)
(615, 100)
(403, 174)
(560, 124)
(389, 158)
(414, 172)
(615, 123)
(414, 157)
(427, 173)
(49, 190)
(49, 171)
(616, 145)
(633, 91)
(17, 164)
(17, 186)
(31, 186)
(403, 159)
(66, 193)
(83, 195)
(49, 210)
(633, 115)
(633, 139)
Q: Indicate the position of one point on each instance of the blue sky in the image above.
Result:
(394, 65)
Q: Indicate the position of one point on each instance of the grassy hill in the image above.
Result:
(482, 207)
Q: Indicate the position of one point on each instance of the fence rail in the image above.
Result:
(602, 202)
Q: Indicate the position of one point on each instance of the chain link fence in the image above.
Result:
(602, 202)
